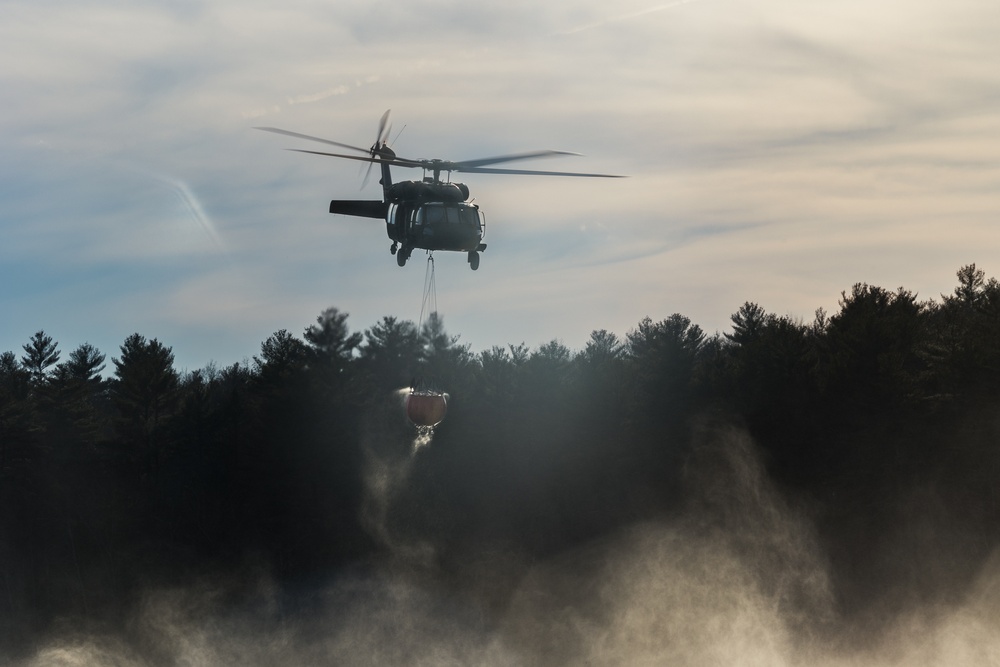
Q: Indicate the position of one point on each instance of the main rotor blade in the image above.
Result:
(534, 155)
(395, 162)
(288, 133)
(532, 172)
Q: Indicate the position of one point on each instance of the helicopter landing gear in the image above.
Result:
(402, 255)
(393, 248)
(473, 260)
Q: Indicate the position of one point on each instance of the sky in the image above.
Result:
(777, 151)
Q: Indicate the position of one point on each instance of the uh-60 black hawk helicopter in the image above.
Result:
(430, 214)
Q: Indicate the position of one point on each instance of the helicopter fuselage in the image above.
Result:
(436, 225)
(437, 218)
(426, 215)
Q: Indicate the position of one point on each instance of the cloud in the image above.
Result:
(628, 16)
(316, 97)
(794, 144)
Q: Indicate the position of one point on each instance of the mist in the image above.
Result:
(737, 576)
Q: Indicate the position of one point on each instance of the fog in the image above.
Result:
(736, 576)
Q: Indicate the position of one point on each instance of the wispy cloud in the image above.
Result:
(316, 97)
(628, 16)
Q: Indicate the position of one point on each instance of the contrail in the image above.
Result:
(183, 194)
(626, 17)
(191, 203)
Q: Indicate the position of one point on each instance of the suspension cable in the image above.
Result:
(429, 303)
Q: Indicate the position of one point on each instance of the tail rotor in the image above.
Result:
(379, 148)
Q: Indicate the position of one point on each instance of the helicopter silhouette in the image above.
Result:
(430, 214)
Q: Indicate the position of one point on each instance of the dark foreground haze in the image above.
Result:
(785, 494)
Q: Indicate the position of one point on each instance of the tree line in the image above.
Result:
(152, 475)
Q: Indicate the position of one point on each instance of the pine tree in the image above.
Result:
(40, 354)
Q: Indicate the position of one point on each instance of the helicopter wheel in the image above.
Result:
(392, 249)
(473, 260)
(401, 256)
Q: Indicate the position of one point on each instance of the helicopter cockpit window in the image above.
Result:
(434, 215)
(470, 216)
(442, 214)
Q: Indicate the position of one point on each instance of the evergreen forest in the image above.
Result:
(877, 426)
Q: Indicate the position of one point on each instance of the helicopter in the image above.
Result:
(429, 214)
